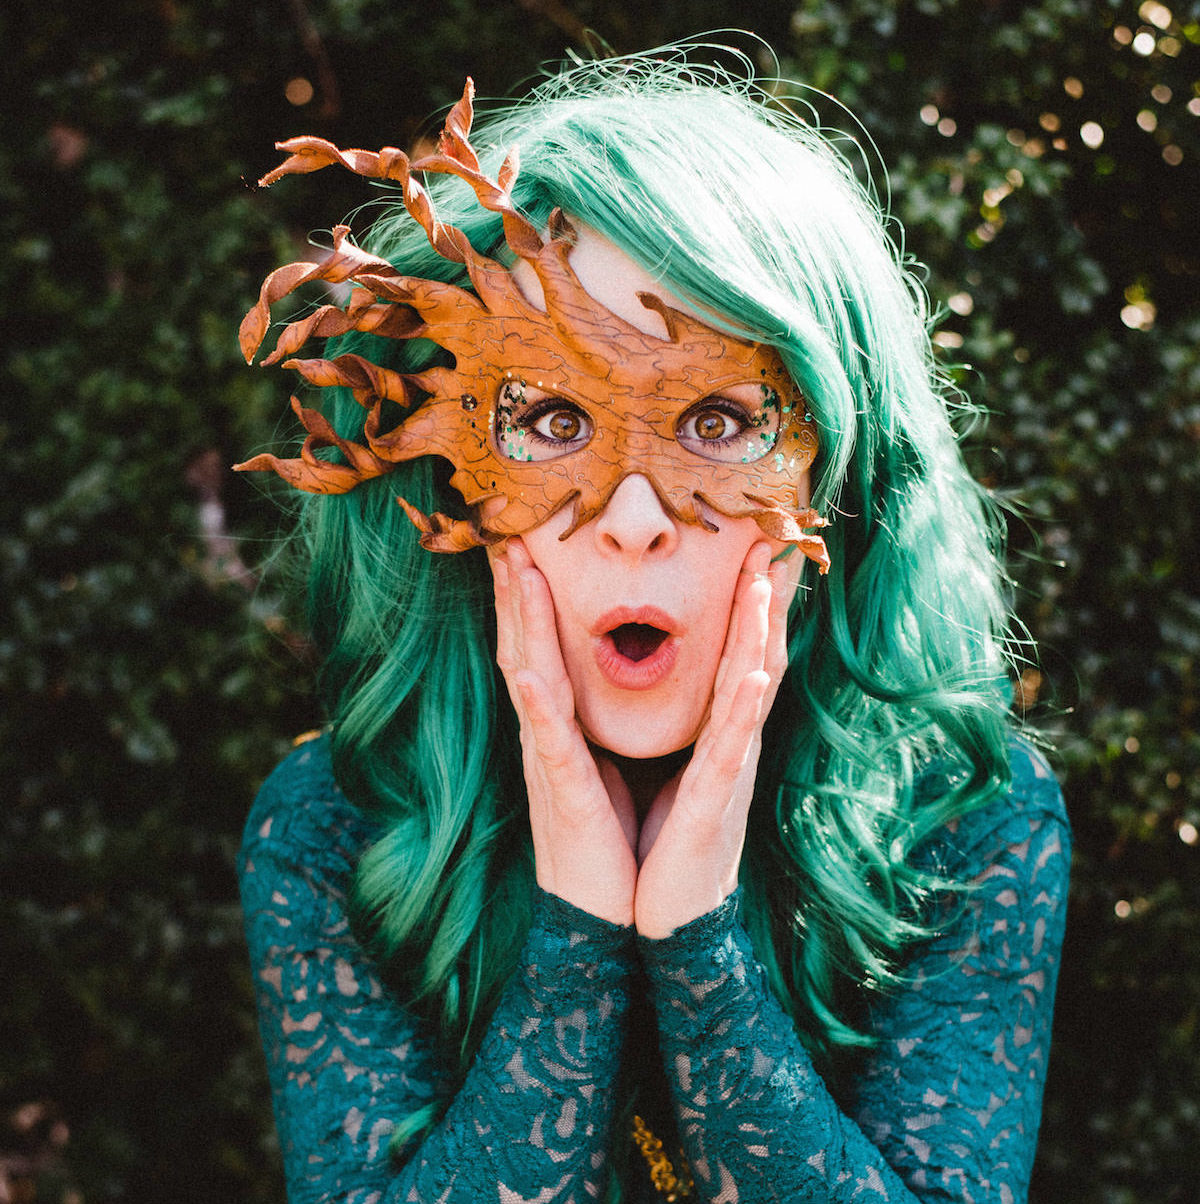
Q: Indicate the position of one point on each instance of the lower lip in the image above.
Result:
(625, 674)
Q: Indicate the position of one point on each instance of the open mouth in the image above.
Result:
(636, 641)
(636, 647)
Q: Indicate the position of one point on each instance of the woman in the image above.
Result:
(750, 894)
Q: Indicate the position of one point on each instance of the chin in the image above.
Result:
(640, 741)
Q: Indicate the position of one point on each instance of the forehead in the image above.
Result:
(650, 361)
(611, 277)
(698, 362)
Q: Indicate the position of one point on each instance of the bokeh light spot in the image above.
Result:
(1028, 685)
(1144, 43)
(1173, 154)
(1092, 133)
(1188, 833)
(1139, 316)
(1156, 13)
(298, 91)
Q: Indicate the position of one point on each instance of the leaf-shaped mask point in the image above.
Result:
(636, 395)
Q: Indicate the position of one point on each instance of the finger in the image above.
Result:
(501, 584)
(556, 739)
(745, 576)
(539, 626)
(716, 768)
(559, 757)
(784, 581)
(519, 561)
(749, 626)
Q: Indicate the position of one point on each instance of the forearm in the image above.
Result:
(348, 1063)
(948, 1099)
(756, 1120)
(532, 1118)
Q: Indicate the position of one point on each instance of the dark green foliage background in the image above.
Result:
(150, 679)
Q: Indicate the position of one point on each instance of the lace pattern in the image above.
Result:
(947, 1105)
(531, 1120)
(945, 1109)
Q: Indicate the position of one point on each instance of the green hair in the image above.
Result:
(897, 658)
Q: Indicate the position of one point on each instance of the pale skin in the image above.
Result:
(675, 858)
(622, 828)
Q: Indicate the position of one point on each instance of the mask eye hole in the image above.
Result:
(736, 426)
(535, 425)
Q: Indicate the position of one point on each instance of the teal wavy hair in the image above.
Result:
(897, 658)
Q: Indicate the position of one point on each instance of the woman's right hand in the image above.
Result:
(580, 811)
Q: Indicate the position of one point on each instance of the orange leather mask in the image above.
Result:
(542, 408)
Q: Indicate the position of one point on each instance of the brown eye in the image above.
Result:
(533, 425)
(712, 424)
(562, 426)
(739, 425)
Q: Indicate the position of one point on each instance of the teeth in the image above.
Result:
(636, 641)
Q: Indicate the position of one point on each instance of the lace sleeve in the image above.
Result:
(531, 1120)
(948, 1104)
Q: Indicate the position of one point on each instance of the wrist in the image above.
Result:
(663, 905)
(559, 917)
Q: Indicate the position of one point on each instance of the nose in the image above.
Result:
(634, 523)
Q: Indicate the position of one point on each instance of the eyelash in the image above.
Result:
(521, 418)
(551, 405)
(730, 409)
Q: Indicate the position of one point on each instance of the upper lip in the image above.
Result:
(649, 616)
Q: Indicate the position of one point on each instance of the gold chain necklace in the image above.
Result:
(667, 1182)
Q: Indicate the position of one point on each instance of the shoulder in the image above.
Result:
(1005, 870)
(1029, 817)
(301, 814)
(1034, 787)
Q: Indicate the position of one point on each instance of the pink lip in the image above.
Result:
(628, 674)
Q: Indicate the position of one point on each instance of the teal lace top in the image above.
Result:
(945, 1106)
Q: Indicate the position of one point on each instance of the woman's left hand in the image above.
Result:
(691, 841)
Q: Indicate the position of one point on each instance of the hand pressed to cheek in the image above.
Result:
(692, 840)
(582, 836)
(581, 812)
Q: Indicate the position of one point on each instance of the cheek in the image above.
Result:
(559, 561)
(711, 584)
